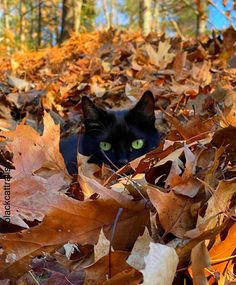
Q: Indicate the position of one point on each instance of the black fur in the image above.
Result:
(119, 128)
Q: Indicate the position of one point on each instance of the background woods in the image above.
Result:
(33, 24)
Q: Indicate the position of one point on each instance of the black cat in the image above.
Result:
(111, 136)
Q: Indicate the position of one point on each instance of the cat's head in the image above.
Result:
(117, 137)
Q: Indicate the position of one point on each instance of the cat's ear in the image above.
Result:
(146, 104)
(90, 110)
(93, 115)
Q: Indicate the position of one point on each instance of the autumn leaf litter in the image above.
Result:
(179, 205)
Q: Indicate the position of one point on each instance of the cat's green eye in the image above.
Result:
(105, 146)
(137, 144)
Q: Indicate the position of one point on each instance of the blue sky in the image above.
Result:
(216, 18)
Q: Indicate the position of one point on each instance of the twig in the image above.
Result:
(112, 237)
(222, 12)
(173, 22)
(33, 8)
(68, 281)
(195, 11)
(217, 261)
(33, 277)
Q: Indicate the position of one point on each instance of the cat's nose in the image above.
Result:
(122, 162)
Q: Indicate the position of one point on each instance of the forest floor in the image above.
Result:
(173, 219)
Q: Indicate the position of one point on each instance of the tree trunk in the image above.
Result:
(77, 15)
(6, 23)
(71, 14)
(6, 15)
(22, 10)
(32, 23)
(67, 19)
(21, 20)
(145, 16)
(105, 10)
(56, 27)
(111, 14)
(156, 22)
(202, 6)
(141, 14)
(39, 30)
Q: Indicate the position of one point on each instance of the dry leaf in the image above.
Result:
(39, 171)
(186, 184)
(219, 202)
(162, 57)
(140, 249)
(97, 90)
(102, 247)
(223, 250)
(99, 271)
(18, 83)
(200, 260)
(174, 211)
(161, 263)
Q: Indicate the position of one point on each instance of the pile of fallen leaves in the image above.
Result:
(173, 219)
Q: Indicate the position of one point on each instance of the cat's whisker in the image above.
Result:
(104, 154)
(114, 172)
(134, 184)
